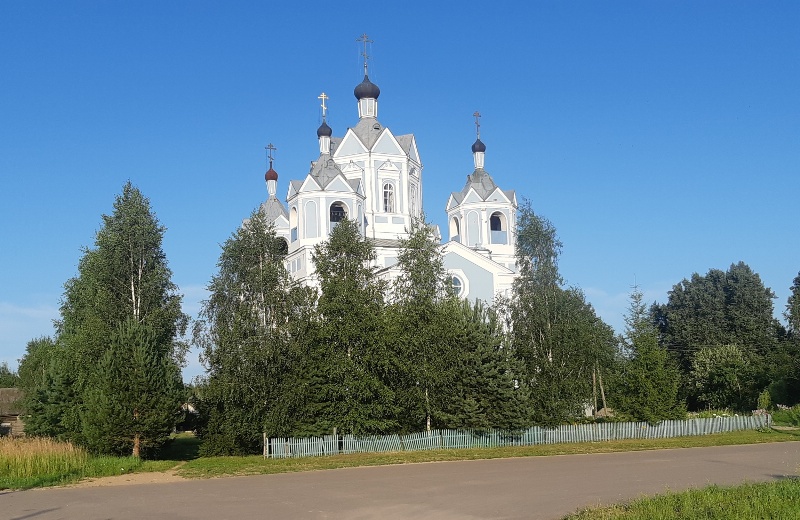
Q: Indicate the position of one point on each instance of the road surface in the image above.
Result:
(519, 488)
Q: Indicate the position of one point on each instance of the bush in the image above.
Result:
(785, 416)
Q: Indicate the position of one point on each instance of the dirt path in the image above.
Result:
(153, 477)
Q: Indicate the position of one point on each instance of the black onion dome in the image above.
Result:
(324, 130)
(271, 174)
(478, 146)
(366, 89)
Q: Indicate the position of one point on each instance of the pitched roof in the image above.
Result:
(405, 142)
(272, 208)
(368, 130)
(324, 170)
(10, 401)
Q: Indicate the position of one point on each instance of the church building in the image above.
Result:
(374, 177)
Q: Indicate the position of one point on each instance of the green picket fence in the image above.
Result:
(454, 439)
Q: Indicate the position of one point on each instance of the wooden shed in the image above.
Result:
(11, 416)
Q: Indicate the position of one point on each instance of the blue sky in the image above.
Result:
(660, 138)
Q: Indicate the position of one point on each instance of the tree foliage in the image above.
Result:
(647, 381)
(720, 308)
(134, 402)
(124, 277)
(725, 376)
(247, 331)
(8, 378)
(484, 392)
(352, 369)
(421, 321)
(556, 334)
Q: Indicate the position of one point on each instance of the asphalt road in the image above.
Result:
(529, 488)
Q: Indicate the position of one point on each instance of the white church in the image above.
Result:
(374, 177)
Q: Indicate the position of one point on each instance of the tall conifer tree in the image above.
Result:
(124, 277)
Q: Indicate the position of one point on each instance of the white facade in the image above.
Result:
(375, 177)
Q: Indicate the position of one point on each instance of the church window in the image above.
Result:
(283, 246)
(455, 229)
(338, 212)
(498, 228)
(496, 221)
(413, 201)
(388, 197)
(293, 224)
(458, 285)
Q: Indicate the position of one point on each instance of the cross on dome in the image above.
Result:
(270, 148)
(324, 97)
(477, 116)
(364, 38)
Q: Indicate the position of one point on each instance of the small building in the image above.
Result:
(11, 415)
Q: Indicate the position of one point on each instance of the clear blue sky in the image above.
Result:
(660, 138)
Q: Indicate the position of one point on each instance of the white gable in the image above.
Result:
(451, 203)
(472, 197)
(340, 185)
(387, 144)
(351, 145)
(498, 195)
(281, 222)
(352, 167)
(309, 185)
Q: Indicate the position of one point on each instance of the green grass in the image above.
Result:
(746, 502)
(182, 454)
(256, 465)
(787, 416)
(28, 463)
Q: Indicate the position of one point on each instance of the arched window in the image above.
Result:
(338, 212)
(388, 197)
(496, 221)
(283, 246)
(458, 285)
(455, 229)
(413, 201)
(293, 224)
(498, 229)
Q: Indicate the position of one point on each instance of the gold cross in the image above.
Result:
(323, 97)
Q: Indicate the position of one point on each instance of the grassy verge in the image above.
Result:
(256, 465)
(23, 465)
(30, 462)
(767, 500)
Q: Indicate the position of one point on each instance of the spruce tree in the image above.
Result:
(133, 405)
(485, 392)
(647, 384)
(124, 277)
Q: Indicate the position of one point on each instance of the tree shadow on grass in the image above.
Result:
(181, 447)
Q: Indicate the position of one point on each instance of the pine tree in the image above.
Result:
(133, 405)
(648, 382)
(124, 277)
